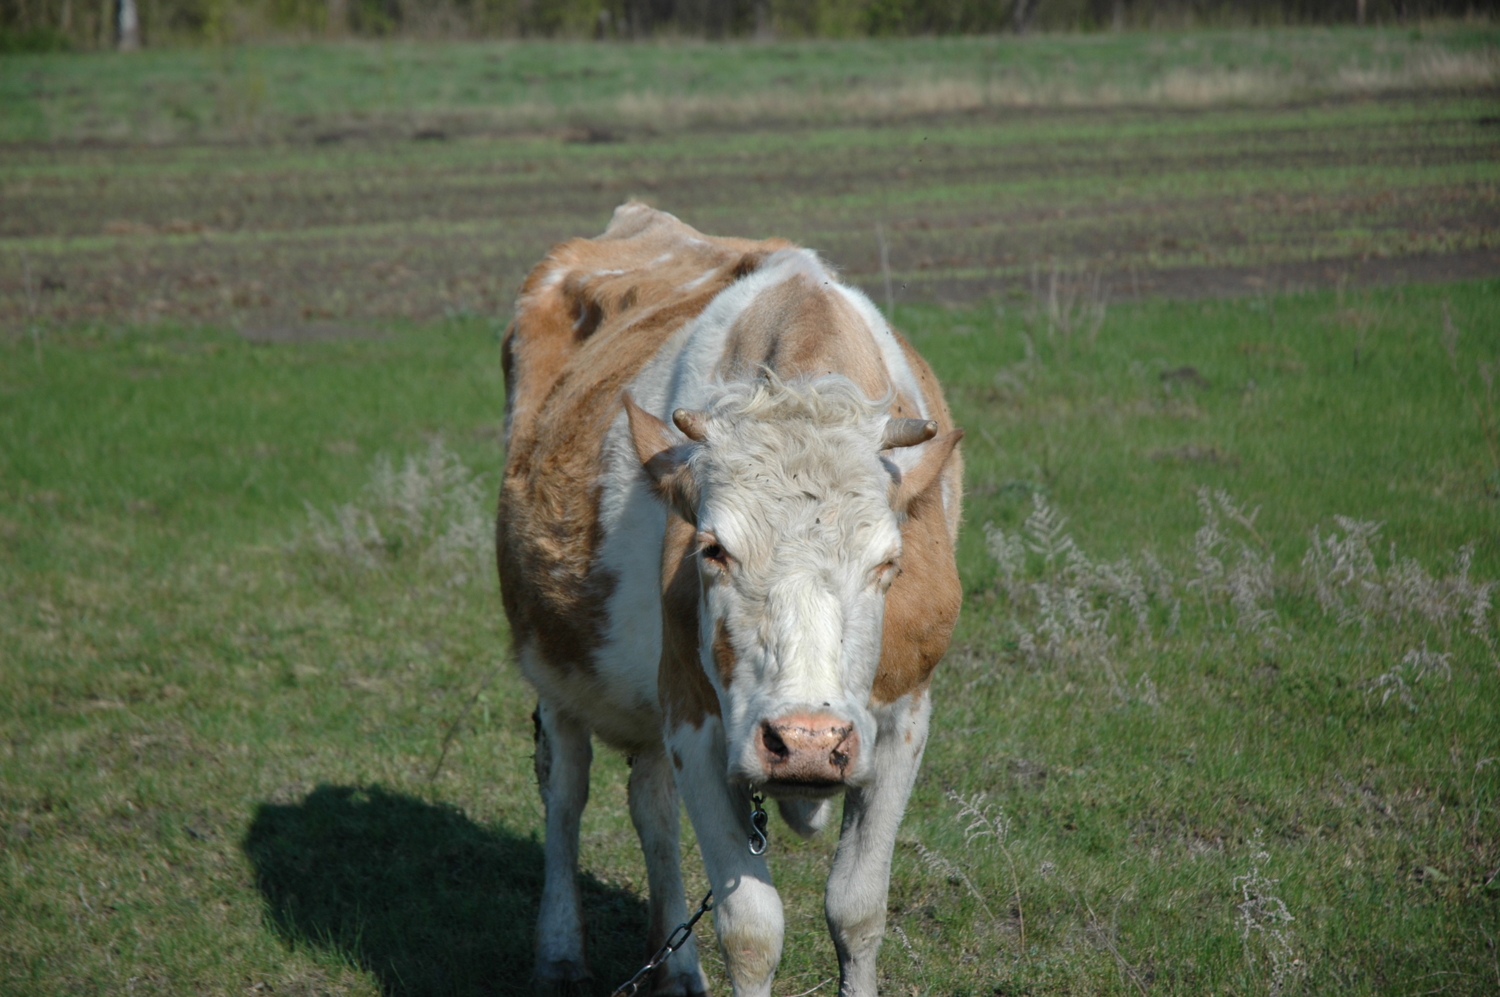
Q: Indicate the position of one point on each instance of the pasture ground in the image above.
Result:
(403, 180)
(258, 730)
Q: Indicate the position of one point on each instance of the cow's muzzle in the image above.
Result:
(806, 753)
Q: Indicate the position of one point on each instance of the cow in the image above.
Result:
(726, 547)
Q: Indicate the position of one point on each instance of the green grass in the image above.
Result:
(233, 759)
(216, 768)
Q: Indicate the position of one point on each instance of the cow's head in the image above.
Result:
(796, 493)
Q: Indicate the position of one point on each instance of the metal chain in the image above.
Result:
(680, 934)
(675, 941)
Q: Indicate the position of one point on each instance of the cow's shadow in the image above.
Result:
(424, 898)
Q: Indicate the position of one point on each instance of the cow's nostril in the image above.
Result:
(808, 748)
(773, 742)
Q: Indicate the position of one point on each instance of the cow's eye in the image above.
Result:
(712, 551)
(886, 573)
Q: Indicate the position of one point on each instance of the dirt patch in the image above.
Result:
(290, 244)
(1224, 282)
(1192, 453)
(1191, 283)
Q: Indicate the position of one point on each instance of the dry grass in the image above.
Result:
(432, 516)
(1183, 87)
(1427, 71)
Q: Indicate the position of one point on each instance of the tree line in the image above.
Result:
(93, 24)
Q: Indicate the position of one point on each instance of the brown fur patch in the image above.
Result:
(797, 328)
(928, 467)
(590, 317)
(724, 656)
(686, 695)
(665, 460)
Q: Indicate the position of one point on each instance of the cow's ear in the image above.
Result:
(664, 458)
(927, 471)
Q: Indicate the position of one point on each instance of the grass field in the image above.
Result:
(343, 204)
(257, 728)
(301, 91)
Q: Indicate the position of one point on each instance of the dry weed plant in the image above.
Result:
(1071, 604)
(1417, 664)
(1069, 309)
(980, 820)
(988, 820)
(431, 513)
(1351, 586)
(954, 873)
(1241, 573)
(1182, 87)
(911, 953)
(1069, 611)
(1263, 919)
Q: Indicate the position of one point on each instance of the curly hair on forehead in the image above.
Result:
(827, 400)
(773, 441)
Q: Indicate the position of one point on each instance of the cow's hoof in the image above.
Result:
(562, 978)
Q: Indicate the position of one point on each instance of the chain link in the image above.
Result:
(758, 823)
(675, 941)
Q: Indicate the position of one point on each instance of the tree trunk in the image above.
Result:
(718, 18)
(127, 26)
(338, 17)
(1359, 12)
(1021, 14)
(763, 28)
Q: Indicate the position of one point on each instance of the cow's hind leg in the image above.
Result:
(653, 809)
(563, 755)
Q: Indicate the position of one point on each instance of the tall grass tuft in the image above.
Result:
(1263, 922)
(429, 514)
(1350, 585)
(1070, 611)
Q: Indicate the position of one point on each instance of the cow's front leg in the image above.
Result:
(653, 809)
(563, 755)
(861, 877)
(747, 912)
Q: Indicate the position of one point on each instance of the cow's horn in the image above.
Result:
(905, 432)
(691, 424)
